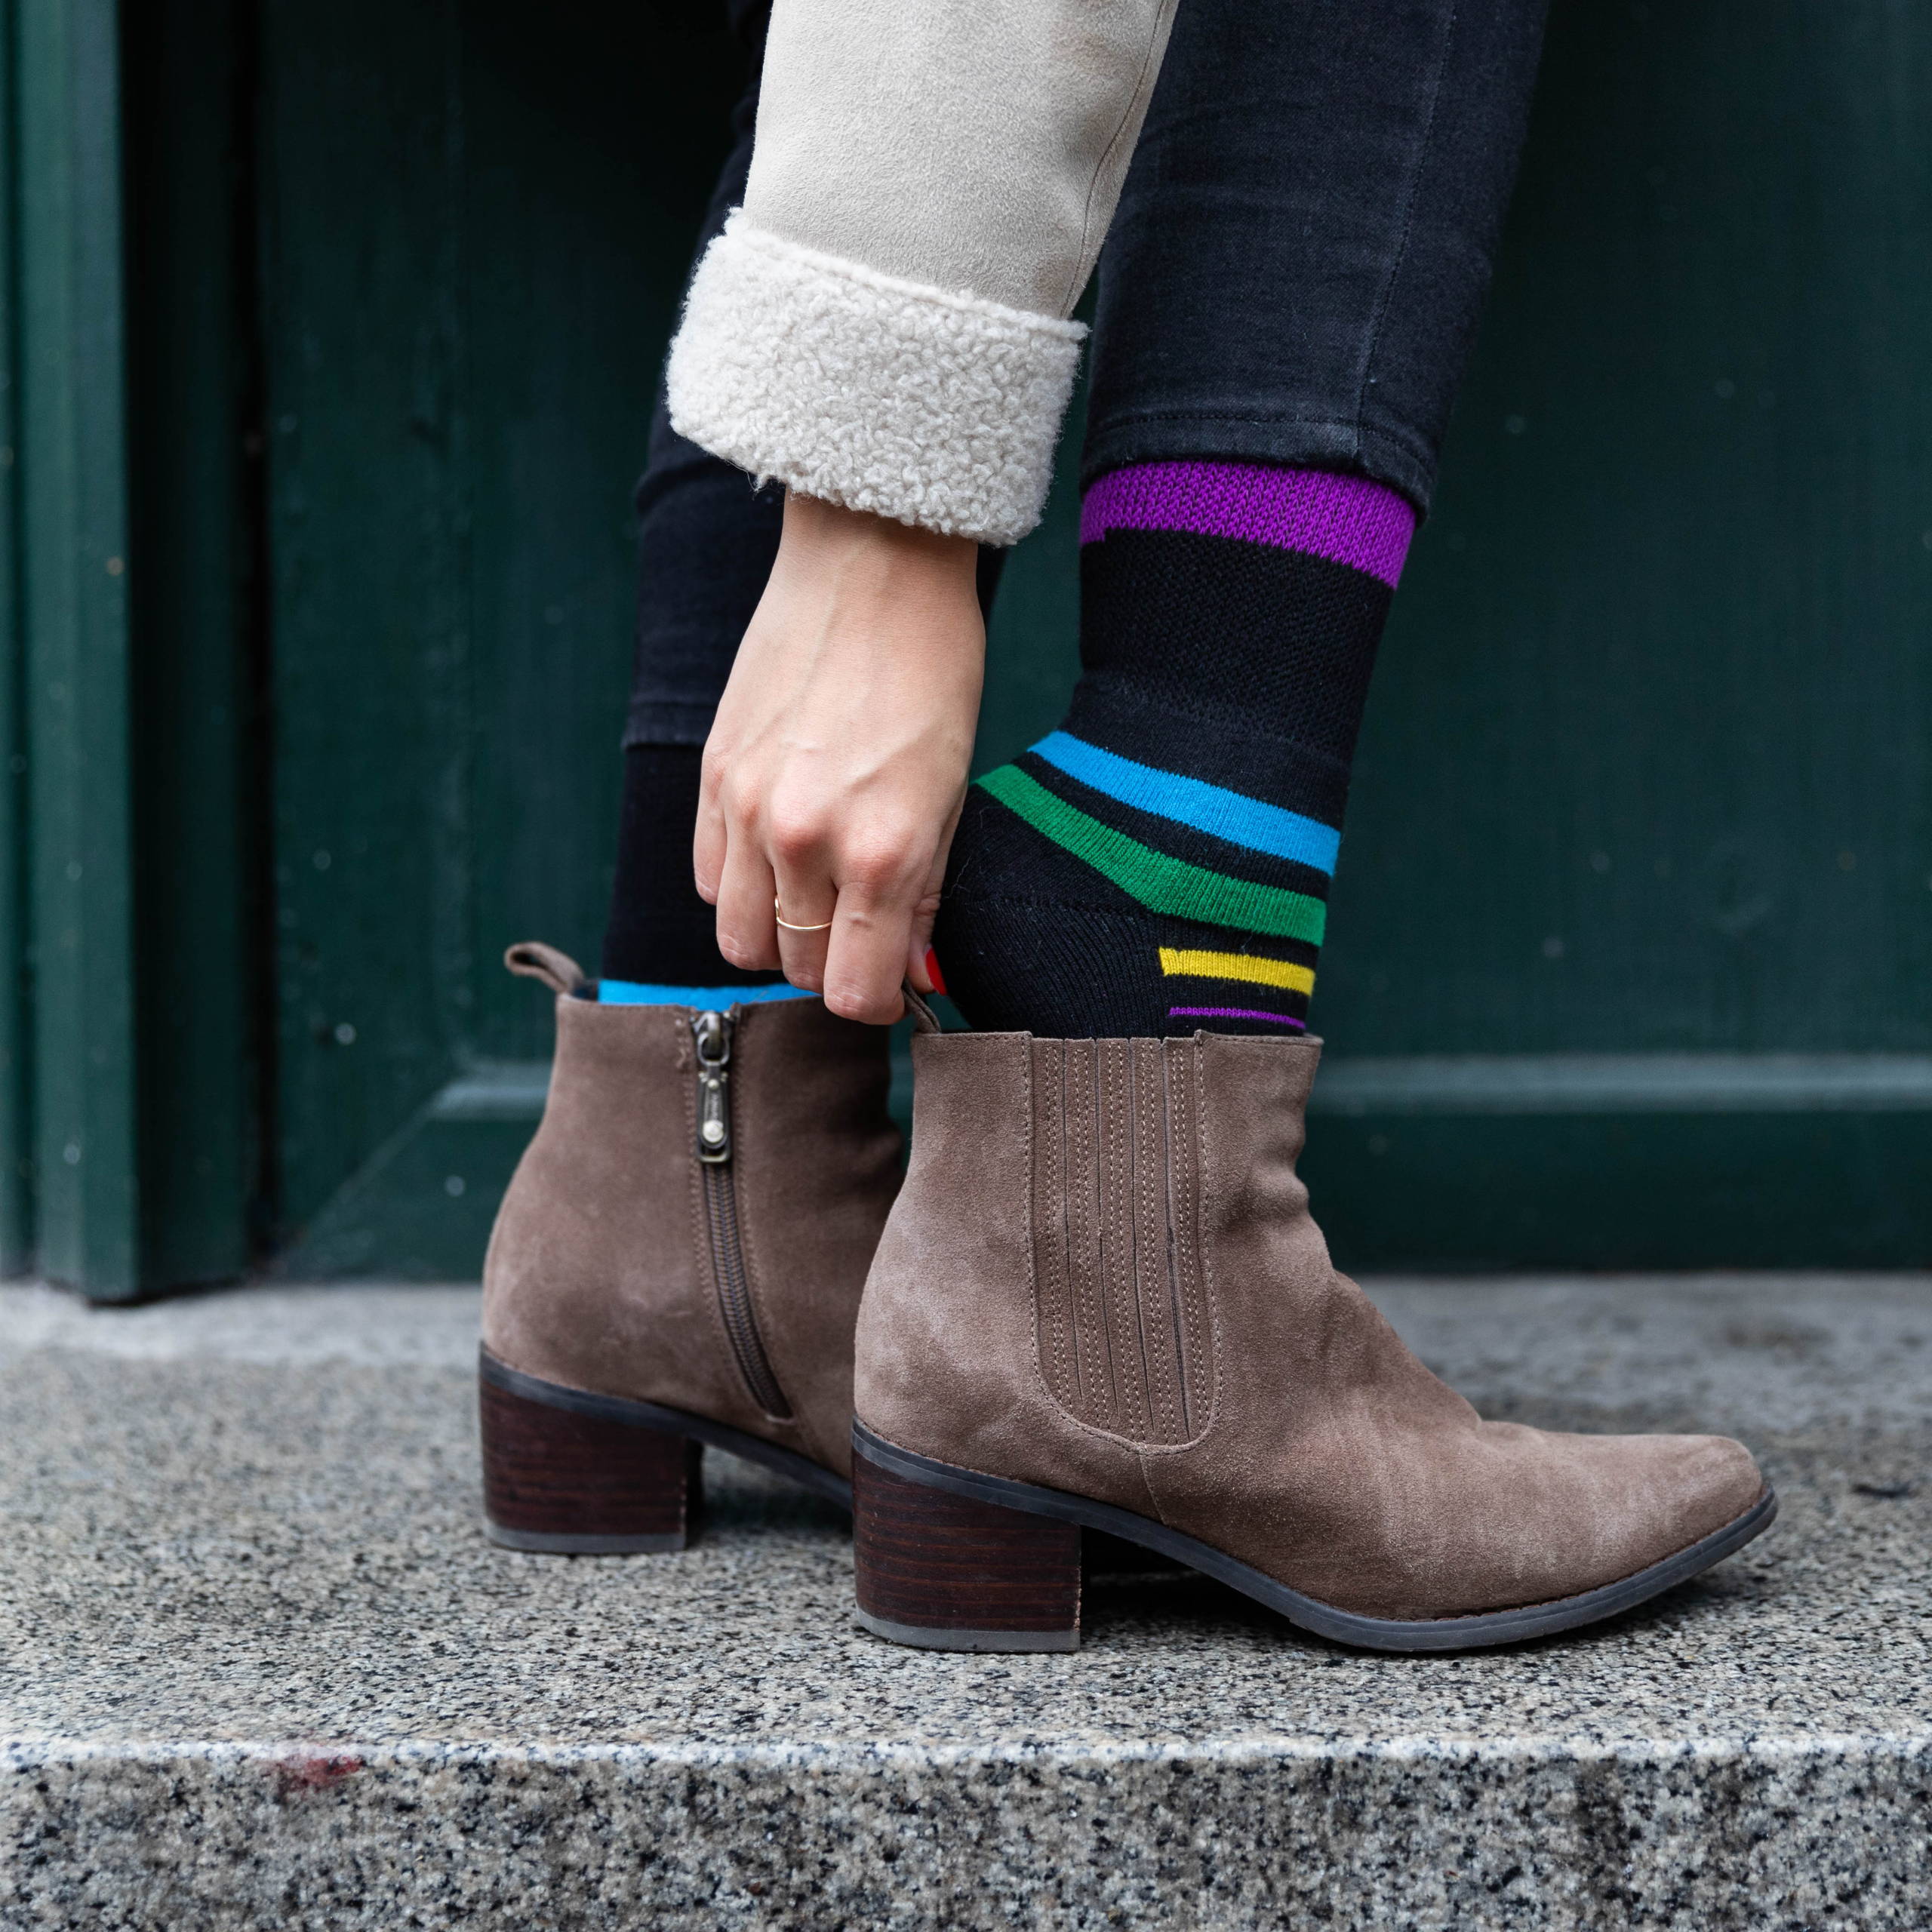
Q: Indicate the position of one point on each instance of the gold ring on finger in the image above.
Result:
(823, 925)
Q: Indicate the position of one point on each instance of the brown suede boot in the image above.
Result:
(1100, 1301)
(678, 1261)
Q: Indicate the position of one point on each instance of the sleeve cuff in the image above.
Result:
(931, 408)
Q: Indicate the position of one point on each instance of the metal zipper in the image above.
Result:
(712, 1032)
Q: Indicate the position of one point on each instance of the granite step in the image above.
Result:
(259, 1669)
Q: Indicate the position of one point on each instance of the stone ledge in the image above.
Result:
(257, 1670)
(1394, 1833)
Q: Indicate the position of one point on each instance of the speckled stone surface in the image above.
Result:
(258, 1668)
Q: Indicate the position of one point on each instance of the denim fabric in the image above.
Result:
(1305, 238)
(1293, 276)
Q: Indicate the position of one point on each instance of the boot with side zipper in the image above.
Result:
(678, 1261)
(1101, 1303)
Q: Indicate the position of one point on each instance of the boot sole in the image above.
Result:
(569, 1473)
(996, 1566)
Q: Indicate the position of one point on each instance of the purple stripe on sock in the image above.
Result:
(1233, 1013)
(1347, 519)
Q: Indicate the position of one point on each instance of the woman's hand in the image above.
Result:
(835, 771)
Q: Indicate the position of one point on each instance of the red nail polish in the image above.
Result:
(933, 972)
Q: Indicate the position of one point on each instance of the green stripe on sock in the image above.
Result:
(1161, 883)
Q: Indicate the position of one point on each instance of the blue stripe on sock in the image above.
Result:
(1191, 802)
(713, 999)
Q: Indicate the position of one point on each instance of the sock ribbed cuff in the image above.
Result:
(1347, 519)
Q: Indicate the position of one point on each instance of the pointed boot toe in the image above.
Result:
(1694, 1485)
(1638, 1502)
(1100, 1303)
(677, 1262)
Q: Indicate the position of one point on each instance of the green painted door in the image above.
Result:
(1633, 927)
(475, 223)
(1643, 842)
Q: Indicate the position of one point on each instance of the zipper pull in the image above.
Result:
(713, 1034)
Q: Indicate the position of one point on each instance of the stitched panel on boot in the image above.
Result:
(1187, 1286)
(1053, 1286)
(1123, 1326)
(1083, 1222)
(1120, 1257)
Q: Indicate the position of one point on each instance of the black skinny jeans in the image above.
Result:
(1293, 276)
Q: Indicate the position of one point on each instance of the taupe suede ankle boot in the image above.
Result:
(1100, 1301)
(678, 1261)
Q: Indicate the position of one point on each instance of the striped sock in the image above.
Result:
(1161, 862)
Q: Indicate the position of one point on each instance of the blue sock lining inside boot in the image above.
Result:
(631, 992)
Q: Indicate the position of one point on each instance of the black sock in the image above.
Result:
(662, 936)
(1161, 863)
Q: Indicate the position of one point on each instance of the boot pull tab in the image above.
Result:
(533, 960)
(924, 1018)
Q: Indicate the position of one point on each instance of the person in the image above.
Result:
(1099, 1300)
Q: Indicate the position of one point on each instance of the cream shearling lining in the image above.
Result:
(934, 408)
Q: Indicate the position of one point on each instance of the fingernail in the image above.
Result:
(933, 972)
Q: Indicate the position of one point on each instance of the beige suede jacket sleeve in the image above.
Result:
(883, 324)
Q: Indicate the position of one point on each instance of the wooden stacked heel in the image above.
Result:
(558, 1480)
(945, 1572)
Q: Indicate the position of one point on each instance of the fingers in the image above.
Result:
(881, 903)
(709, 842)
(805, 898)
(794, 836)
(852, 927)
(769, 867)
(747, 928)
(919, 946)
(866, 959)
(859, 901)
(925, 913)
(879, 887)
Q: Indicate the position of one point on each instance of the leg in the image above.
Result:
(1286, 303)
(650, 1286)
(705, 542)
(1304, 239)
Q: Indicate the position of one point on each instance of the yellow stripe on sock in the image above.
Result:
(1247, 966)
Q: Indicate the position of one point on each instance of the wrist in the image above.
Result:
(822, 535)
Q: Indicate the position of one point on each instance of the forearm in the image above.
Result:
(884, 324)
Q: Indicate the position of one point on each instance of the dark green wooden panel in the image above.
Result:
(128, 1092)
(196, 734)
(420, 1207)
(362, 143)
(16, 1044)
(76, 586)
(1625, 1160)
(477, 221)
(1648, 766)
(1646, 772)
(591, 147)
